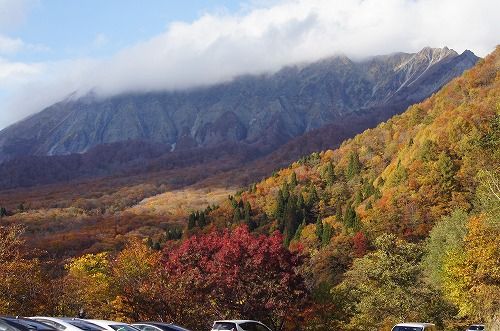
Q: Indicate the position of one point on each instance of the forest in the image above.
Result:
(400, 223)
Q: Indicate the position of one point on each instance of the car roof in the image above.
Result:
(414, 324)
(55, 319)
(107, 322)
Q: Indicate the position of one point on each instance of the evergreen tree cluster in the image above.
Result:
(242, 211)
(292, 210)
(200, 218)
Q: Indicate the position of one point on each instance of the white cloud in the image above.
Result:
(218, 47)
(16, 72)
(14, 45)
(13, 12)
(10, 45)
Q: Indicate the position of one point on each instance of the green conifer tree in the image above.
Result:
(293, 180)
(329, 174)
(354, 165)
(319, 228)
(327, 235)
(191, 221)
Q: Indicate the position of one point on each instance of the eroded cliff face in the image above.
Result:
(258, 110)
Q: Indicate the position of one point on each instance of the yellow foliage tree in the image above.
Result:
(87, 286)
(21, 279)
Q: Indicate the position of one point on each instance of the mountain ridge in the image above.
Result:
(279, 106)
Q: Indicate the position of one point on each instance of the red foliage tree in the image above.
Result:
(360, 244)
(235, 274)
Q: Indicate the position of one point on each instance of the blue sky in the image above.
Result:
(50, 49)
(95, 28)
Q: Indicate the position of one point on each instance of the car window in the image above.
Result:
(476, 327)
(16, 326)
(58, 326)
(172, 327)
(162, 326)
(249, 326)
(122, 327)
(407, 328)
(31, 324)
(84, 325)
(146, 327)
(253, 326)
(6, 327)
(224, 326)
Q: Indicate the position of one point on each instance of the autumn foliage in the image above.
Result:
(401, 222)
(239, 274)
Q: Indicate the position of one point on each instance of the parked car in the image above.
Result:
(158, 326)
(22, 323)
(239, 325)
(67, 323)
(414, 327)
(111, 325)
(475, 327)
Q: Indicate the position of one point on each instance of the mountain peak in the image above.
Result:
(435, 54)
(469, 54)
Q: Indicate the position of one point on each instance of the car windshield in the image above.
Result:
(6, 327)
(476, 327)
(407, 328)
(30, 324)
(54, 324)
(253, 326)
(87, 326)
(168, 327)
(123, 327)
(224, 326)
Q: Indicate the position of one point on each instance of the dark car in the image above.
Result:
(158, 326)
(25, 324)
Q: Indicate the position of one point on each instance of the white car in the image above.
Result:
(475, 327)
(239, 325)
(414, 327)
(67, 323)
(112, 325)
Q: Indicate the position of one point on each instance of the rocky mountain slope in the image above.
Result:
(265, 111)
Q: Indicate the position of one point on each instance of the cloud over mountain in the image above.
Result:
(219, 46)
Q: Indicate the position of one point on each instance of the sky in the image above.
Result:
(53, 49)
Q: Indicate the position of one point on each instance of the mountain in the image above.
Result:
(264, 111)
(256, 123)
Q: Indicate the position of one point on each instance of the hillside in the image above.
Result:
(429, 177)
(408, 171)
